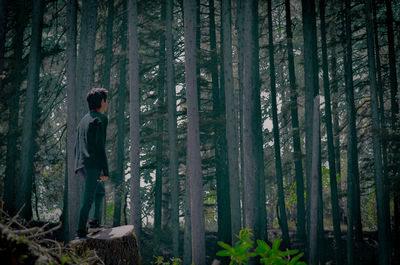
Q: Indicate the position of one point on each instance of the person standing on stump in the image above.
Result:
(90, 158)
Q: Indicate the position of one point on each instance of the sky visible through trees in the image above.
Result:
(278, 116)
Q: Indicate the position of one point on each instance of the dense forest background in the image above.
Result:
(279, 116)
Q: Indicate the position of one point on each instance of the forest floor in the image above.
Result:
(366, 252)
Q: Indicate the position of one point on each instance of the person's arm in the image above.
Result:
(100, 147)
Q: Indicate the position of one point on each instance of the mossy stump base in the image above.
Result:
(115, 245)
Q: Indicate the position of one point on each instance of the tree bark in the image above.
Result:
(3, 33)
(29, 126)
(383, 218)
(311, 91)
(109, 43)
(13, 106)
(72, 205)
(329, 132)
(300, 225)
(231, 121)
(193, 136)
(172, 127)
(134, 110)
(254, 184)
(277, 147)
(119, 181)
(159, 128)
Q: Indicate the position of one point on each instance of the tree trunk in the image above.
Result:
(86, 53)
(254, 184)
(134, 110)
(231, 121)
(383, 218)
(119, 181)
(172, 127)
(3, 33)
(187, 241)
(329, 132)
(29, 125)
(311, 86)
(352, 161)
(296, 130)
(277, 147)
(193, 140)
(352, 167)
(72, 92)
(159, 127)
(84, 80)
(109, 43)
(13, 106)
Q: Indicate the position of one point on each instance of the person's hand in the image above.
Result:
(103, 178)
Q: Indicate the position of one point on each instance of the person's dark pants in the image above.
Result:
(94, 191)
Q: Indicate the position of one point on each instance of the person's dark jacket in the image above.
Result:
(90, 142)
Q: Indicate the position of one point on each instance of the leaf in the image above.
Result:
(225, 246)
(224, 253)
(276, 244)
(241, 249)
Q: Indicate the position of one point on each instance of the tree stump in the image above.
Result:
(115, 245)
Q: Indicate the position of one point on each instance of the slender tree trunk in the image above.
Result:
(159, 125)
(71, 208)
(383, 236)
(315, 179)
(172, 127)
(134, 110)
(187, 244)
(231, 121)
(109, 40)
(278, 164)
(120, 182)
(311, 85)
(352, 161)
(13, 106)
(296, 130)
(252, 159)
(352, 167)
(394, 103)
(29, 126)
(3, 33)
(220, 140)
(85, 61)
(329, 132)
(193, 141)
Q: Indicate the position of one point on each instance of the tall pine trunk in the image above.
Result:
(29, 125)
(231, 115)
(159, 128)
(253, 178)
(3, 33)
(300, 225)
(72, 94)
(193, 136)
(383, 217)
(352, 161)
(220, 140)
(329, 132)
(119, 179)
(277, 147)
(172, 127)
(311, 91)
(134, 112)
(13, 106)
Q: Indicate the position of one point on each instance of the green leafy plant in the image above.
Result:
(160, 261)
(243, 249)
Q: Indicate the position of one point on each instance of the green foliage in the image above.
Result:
(243, 249)
(159, 260)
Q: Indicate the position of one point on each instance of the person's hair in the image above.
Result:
(94, 97)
